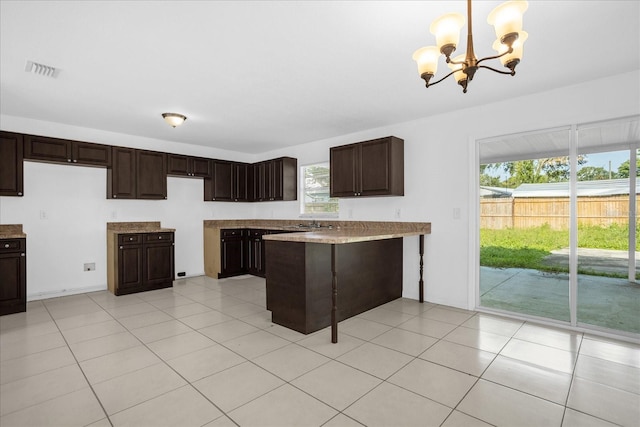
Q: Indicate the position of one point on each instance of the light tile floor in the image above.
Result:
(205, 353)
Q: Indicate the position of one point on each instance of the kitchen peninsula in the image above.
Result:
(303, 260)
(361, 260)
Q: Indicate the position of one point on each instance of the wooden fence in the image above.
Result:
(525, 212)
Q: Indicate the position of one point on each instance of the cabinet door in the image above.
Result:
(130, 268)
(87, 153)
(239, 175)
(158, 265)
(201, 167)
(47, 149)
(151, 174)
(178, 165)
(121, 177)
(11, 166)
(256, 253)
(261, 181)
(233, 254)
(344, 162)
(275, 179)
(222, 181)
(13, 288)
(375, 160)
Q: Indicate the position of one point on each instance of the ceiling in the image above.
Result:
(258, 76)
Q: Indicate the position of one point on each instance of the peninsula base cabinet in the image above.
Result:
(13, 276)
(299, 280)
(140, 262)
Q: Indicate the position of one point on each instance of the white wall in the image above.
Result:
(440, 175)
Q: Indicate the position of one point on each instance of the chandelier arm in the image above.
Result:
(495, 56)
(438, 81)
(497, 71)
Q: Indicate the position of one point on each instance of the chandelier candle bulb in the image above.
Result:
(447, 32)
(427, 59)
(508, 59)
(507, 19)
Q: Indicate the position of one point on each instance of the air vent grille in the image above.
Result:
(41, 69)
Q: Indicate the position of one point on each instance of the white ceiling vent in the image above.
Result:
(41, 69)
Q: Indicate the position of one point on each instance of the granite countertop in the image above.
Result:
(353, 235)
(137, 227)
(340, 231)
(12, 231)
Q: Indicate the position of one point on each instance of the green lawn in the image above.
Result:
(526, 248)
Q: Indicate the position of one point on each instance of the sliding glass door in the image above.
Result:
(608, 292)
(559, 224)
(524, 219)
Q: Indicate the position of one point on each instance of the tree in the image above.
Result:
(552, 169)
(624, 168)
(592, 173)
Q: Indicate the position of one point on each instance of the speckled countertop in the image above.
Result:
(339, 233)
(12, 231)
(137, 227)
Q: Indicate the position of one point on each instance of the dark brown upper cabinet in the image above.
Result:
(137, 174)
(180, 165)
(11, 166)
(369, 168)
(56, 150)
(228, 182)
(276, 179)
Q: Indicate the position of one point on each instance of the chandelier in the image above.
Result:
(507, 21)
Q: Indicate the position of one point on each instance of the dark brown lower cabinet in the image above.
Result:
(299, 287)
(242, 251)
(13, 276)
(142, 262)
(256, 252)
(233, 252)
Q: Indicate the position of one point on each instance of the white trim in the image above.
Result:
(633, 164)
(473, 299)
(573, 225)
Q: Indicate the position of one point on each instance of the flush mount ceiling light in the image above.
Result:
(174, 119)
(507, 21)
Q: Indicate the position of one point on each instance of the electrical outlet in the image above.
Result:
(398, 213)
(182, 274)
(43, 214)
(456, 213)
(90, 266)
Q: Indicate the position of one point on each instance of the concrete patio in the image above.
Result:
(602, 301)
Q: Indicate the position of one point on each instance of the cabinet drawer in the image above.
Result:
(129, 239)
(158, 237)
(13, 245)
(232, 233)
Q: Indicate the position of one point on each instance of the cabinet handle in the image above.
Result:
(159, 237)
(115, 195)
(75, 161)
(6, 245)
(121, 247)
(130, 238)
(68, 160)
(19, 194)
(23, 254)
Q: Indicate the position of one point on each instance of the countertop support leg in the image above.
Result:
(421, 283)
(334, 297)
